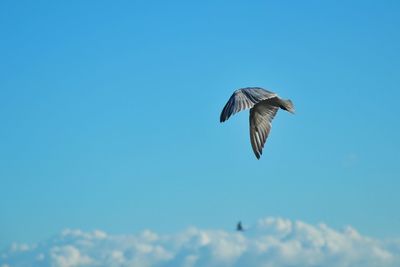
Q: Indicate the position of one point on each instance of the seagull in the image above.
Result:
(263, 105)
(239, 227)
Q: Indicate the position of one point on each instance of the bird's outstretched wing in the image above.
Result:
(261, 116)
(243, 99)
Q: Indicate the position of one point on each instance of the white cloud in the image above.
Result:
(68, 256)
(271, 242)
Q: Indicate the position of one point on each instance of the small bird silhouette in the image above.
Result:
(239, 227)
(263, 106)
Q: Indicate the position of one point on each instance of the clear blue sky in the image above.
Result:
(109, 115)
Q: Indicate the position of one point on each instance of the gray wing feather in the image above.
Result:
(261, 116)
(244, 98)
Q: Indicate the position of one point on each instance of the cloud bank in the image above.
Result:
(271, 242)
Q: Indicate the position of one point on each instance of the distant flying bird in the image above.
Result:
(239, 227)
(263, 106)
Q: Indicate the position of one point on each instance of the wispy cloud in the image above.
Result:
(271, 242)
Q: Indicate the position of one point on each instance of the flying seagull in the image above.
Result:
(263, 106)
(239, 227)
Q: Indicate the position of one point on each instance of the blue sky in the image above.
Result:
(110, 115)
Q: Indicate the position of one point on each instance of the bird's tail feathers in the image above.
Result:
(287, 105)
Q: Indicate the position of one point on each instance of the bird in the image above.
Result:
(239, 227)
(263, 105)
